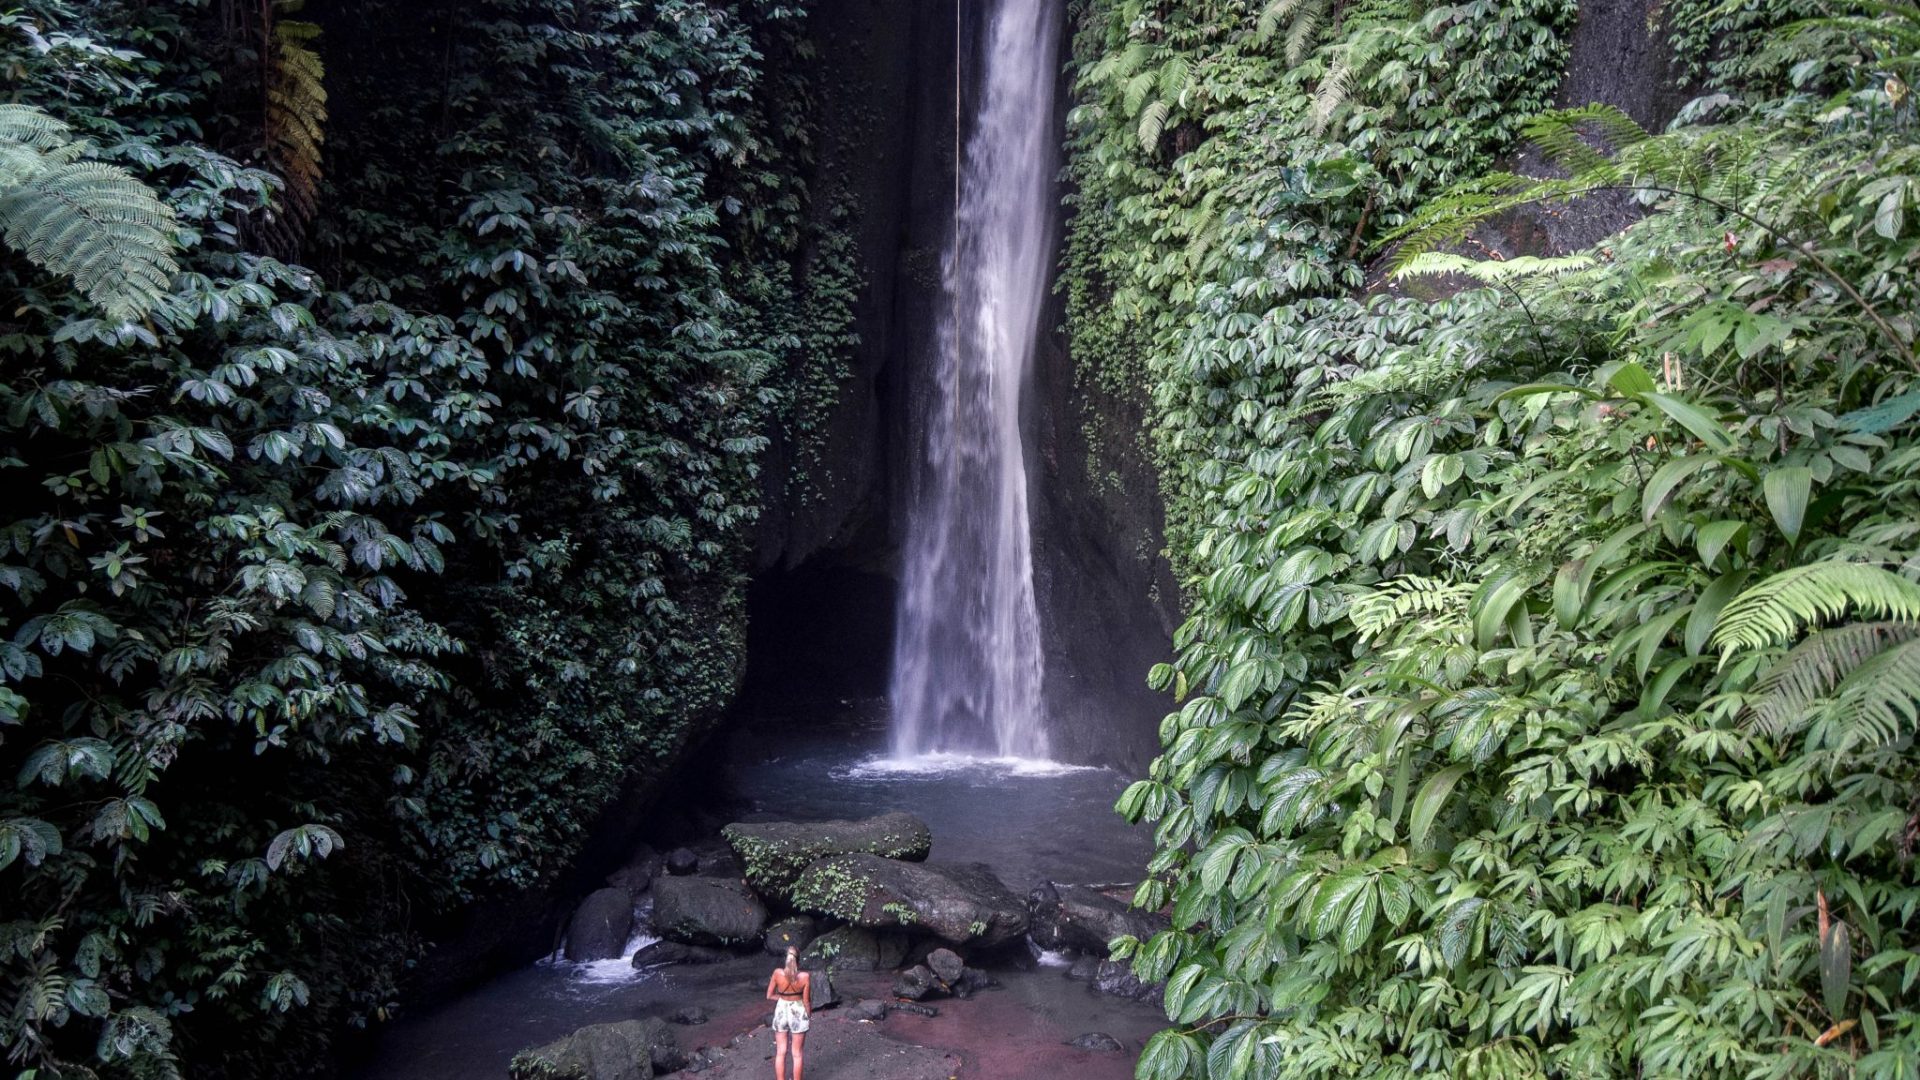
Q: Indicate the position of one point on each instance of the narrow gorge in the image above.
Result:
(1217, 539)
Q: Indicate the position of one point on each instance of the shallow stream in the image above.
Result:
(1030, 821)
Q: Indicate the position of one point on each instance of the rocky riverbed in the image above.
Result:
(922, 967)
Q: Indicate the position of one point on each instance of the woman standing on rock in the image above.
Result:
(791, 991)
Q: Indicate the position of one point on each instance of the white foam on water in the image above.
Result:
(1049, 957)
(947, 764)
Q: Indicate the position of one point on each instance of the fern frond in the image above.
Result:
(1305, 31)
(1878, 704)
(1816, 667)
(294, 126)
(1153, 120)
(1492, 271)
(98, 225)
(1775, 611)
(32, 128)
(1581, 140)
(1332, 93)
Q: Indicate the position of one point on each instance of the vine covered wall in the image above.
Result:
(393, 507)
(1546, 702)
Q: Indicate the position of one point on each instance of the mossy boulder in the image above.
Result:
(775, 853)
(961, 904)
(628, 1050)
(707, 911)
(851, 948)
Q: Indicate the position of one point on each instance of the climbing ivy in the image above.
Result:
(379, 489)
(1546, 702)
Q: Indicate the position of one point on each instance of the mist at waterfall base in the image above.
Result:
(967, 664)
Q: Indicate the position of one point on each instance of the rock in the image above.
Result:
(1084, 919)
(850, 948)
(601, 925)
(797, 932)
(662, 953)
(916, 982)
(960, 904)
(706, 911)
(821, 991)
(628, 1050)
(947, 964)
(1118, 979)
(777, 852)
(1098, 1040)
(637, 876)
(1084, 969)
(691, 1016)
(867, 1009)
(682, 862)
(972, 981)
(913, 1007)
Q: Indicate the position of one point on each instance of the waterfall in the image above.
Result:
(967, 666)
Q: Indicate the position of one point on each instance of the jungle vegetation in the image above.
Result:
(380, 428)
(1548, 697)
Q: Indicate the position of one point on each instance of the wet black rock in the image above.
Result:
(913, 1007)
(1118, 979)
(775, 853)
(795, 932)
(628, 1050)
(959, 903)
(1098, 1040)
(851, 948)
(1084, 919)
(947, 964)
(691, 1016)
(601, 925)
(821, 992)
(706, 911)
(917, 982)
(1085, 969)
(637, 875)
(971, 982)
(662, 953)
(867, 1009)
(682, 862)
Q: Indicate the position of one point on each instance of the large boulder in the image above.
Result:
(628, 1050)
(851, 948)
(1117, 978)
(776, 853)
(638, 874)
(1084, 919)
(663, 953)
(706, 911)
(960, 904)
(601, 925)
(795, 933)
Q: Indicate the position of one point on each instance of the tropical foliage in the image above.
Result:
(381, 428)
(1548, 698)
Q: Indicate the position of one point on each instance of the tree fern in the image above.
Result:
(1775, 611)
(82, 219)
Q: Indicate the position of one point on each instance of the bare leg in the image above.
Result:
(799, 1057)
(780, 1057)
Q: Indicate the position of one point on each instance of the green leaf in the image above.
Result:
(1788, 490)
(1492, 606)
(1426, 805)
(1631, 380)
(1695, 419)
(1668, 477)
(1706, 610)
(1713, 537)
(1836, 969)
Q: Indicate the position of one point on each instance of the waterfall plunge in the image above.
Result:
(967, 667)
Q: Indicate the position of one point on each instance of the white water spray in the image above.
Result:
(967, 667)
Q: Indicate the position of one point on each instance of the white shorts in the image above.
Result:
(790, 1016)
